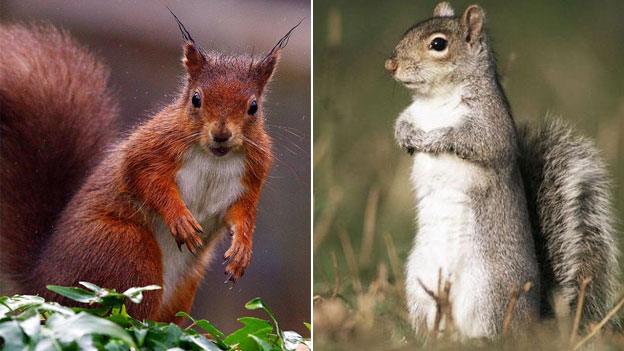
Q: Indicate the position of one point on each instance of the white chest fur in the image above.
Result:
(446, 219)
(443, 110)
(208, 186)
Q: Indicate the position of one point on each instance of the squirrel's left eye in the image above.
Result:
(196, 100)
(438, 44)
(253, 108)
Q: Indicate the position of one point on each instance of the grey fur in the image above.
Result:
(568, 214)
(567, 185)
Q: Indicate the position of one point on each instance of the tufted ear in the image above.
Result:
(266, 66)
(473, 20)
(265, 69)
(443, 9)
(193, 59)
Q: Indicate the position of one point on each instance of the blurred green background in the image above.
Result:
(561, 58)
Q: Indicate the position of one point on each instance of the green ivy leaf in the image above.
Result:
(216, 334)
(31, 326)
(264, 346)
(185, 315)
(11, 333)
(257, 303)
(210, 329)
(17, 303)
(102, 327)
(136, 294)
(201, 342)
(251, 325)
(76, 294)
(139, 336)
(93, 287)
(74, 327)
(116, 345)
(112, 300)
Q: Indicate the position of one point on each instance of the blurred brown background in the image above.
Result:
(141, 44)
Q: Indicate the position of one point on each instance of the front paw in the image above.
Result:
(185, 229)
(237, 258)
(408, 136)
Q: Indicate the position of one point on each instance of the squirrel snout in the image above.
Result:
(222, 136)
(391, 65)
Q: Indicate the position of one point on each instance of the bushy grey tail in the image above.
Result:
(567, 188)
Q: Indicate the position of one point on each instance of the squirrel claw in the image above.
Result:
(237, 258)
(185, 230)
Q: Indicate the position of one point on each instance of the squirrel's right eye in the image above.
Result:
(196, 100)
(438, 44)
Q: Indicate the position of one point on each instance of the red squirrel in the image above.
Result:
(76, 207)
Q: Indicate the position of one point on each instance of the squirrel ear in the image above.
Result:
(194, 60)
(265, 69)
(443, 9)
(266, 66)
(473, 20)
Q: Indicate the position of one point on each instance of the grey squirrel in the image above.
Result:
(497, 206)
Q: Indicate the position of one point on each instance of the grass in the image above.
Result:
(350, 313)
(363, 208)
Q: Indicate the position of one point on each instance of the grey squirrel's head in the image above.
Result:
(437, 54)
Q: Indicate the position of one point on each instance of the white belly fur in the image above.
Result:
(446, 222)
(208, 186)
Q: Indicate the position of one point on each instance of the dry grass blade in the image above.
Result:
(321, 150)
(579, 308)
(511, 305)
(443, 304)
(393, 257)
(336, 289)
(438, 316)
(602, 323)
(446, 306)
(351, 261)
(368, 235)
(513, 300)
(321, 227)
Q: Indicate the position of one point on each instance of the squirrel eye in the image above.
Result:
(253, 108)
(438, 44)
(196, 100)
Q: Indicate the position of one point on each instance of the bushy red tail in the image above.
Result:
(56, 119)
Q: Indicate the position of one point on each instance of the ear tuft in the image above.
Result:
(473, 20)
(443, 9)
(266, 66)
(194, 60)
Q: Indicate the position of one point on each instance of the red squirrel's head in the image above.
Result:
(223, 98)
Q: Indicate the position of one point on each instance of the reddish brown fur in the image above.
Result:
(54, 129)
(104, 234)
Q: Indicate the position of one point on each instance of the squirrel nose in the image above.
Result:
(391, 65)
(222, 136)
